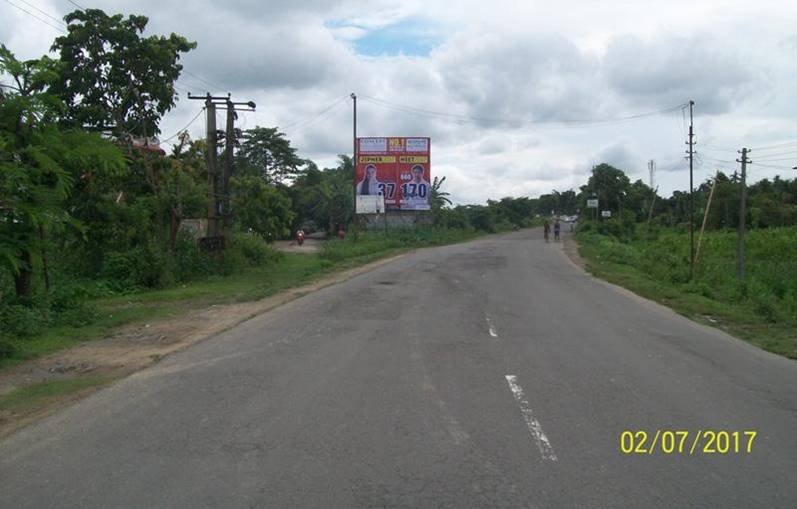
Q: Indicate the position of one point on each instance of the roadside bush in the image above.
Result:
(7, 348)
(21, 320)
(255, 250)
(140, 267)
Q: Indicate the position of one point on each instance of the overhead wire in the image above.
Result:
(304, 127)
(771, 147)
(772, 166)
(558, 123)
(309, 120)
(184, 128)
(57, 20)
(203, 80)
(60, 29)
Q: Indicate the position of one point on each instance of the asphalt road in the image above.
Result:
(488, 374)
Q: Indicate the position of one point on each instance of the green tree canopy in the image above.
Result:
(38, 163)
(267, 153)
(112, 78)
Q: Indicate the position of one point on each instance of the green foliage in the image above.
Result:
(266, 153)
(37, 163)
(111, 78)
(255, 250)
(261, 208)
(659, 268)
(324, 198)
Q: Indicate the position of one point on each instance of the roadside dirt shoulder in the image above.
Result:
(136, 347)
(570, 249)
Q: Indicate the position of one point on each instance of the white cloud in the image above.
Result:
(507, 64)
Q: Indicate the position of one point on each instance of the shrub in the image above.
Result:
(20, 320)
(140, 267)
(255, 250)
(7, 348)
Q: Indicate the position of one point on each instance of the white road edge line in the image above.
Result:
(491, 328)
(535, 429)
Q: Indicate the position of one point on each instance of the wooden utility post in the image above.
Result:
(354, 164)
(212, 141)
(229, 146)
(219, 210)
(742, 217)
(691, 153)
(705, 218)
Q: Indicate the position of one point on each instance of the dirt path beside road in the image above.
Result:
(136, 347)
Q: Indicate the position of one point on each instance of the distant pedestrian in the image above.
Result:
(546, 228)
(556, 229)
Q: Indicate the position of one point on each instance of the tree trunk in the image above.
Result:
(23, 280)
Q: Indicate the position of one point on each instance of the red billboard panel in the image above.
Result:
(397, 168)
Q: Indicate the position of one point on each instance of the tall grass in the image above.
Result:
(761, 307)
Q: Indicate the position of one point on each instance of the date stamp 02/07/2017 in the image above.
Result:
(662, 441)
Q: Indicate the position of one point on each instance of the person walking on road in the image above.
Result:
(546, 228)
(556, 229)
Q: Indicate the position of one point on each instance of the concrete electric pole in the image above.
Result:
(742, 216)
(219, 213)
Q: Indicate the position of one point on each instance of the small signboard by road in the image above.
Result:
(370, 204)
(592, 203)
(606, 213)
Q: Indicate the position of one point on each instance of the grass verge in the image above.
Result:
(760, 310)
(290, 270)
(32, 396)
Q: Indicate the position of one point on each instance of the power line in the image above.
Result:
(306, 126)
(60, 21)
(772, 166)
(468, 118)
(203, 80)
(779, 160)
(716, 148)
(184, 128)
(60, 29)
(779, 154)
(780, 145)
(77, 5)
(304, 122)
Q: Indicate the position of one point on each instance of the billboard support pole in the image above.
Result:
(354, 163)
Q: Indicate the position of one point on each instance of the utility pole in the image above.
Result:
(212, 141)
(691, 153)
(219, 213)
(229, 145)
(650, 210)
(742, 216)
(354, 161)
(652, 171)
(705, 218)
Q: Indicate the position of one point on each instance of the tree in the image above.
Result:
(438, 198)
(324, 196)
(111, 78)
(37, 163)
(609, 184)
(261, 208)
(267, 153)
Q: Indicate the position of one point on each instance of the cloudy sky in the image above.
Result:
(519, 97)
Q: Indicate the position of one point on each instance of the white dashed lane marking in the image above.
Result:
(491, 328)
(535, 429)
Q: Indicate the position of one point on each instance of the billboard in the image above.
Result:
(396, 168)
